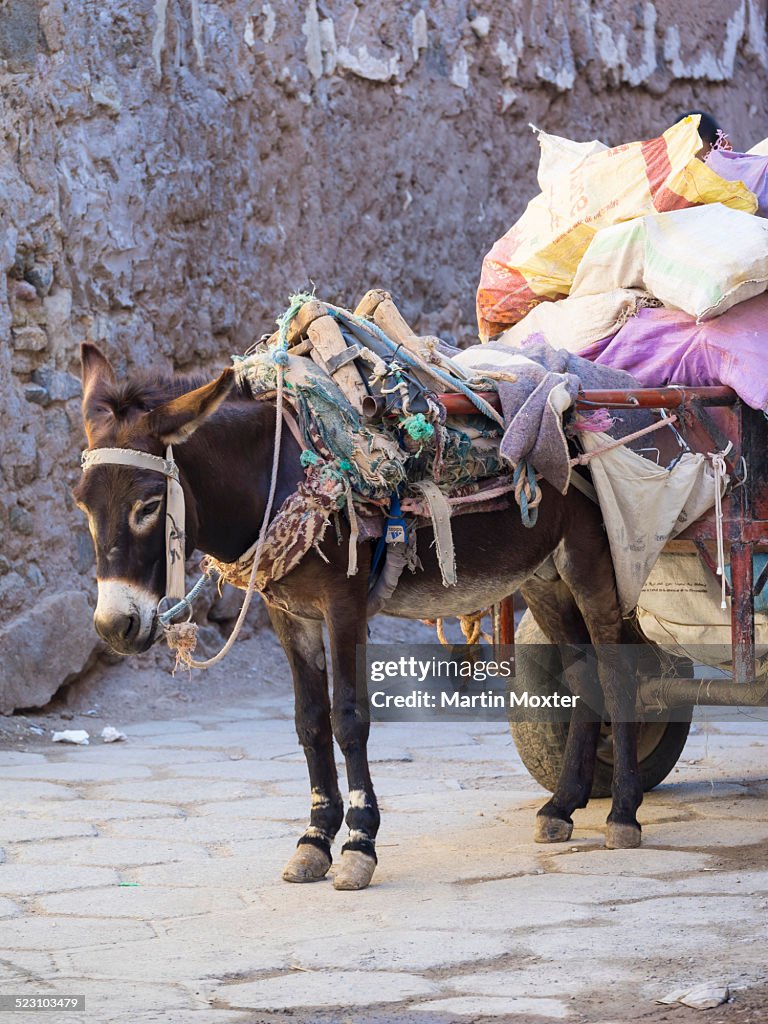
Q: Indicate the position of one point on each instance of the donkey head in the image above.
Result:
(125, 506)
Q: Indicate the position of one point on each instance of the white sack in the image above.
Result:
(702, 260)
(644, 506)
(679, 609)
(578, 321)
(559, 156)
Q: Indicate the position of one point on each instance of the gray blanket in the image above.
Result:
(534, 404)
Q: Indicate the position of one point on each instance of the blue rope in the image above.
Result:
(402, 353)
(528, 516)
(185, 604)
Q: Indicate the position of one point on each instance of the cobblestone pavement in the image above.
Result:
(146, 875)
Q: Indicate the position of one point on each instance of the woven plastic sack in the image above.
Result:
(578, 321)
(559, 156)
(702, 261)
(679, 609)
(537, 258)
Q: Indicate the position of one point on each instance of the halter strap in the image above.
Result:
(175, 512)
(130, 457)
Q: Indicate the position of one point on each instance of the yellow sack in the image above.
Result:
(537, 258)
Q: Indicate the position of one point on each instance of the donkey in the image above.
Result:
(225, 450)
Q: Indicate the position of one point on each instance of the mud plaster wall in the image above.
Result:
(170, 170)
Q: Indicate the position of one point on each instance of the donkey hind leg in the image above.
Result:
(589, 575)
(302, 641)
(554, 609)
(347, 630)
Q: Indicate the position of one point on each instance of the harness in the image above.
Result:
(175, 510)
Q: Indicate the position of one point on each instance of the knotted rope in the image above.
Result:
(721, 474)
(527, 494)
(470, 626)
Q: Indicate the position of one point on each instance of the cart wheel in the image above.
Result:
(541, 745)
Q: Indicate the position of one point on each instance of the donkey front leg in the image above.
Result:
(347, 629)
(302, 641)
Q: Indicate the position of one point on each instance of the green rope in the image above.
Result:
(418, 427)
(283, 322)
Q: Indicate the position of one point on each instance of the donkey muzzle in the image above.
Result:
(126, 616)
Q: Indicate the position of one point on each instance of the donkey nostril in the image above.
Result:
(117, 628)
(130, 627)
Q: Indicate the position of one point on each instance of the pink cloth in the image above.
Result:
(666, 346)
(746, 167)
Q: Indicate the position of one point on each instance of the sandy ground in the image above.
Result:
(146, 874)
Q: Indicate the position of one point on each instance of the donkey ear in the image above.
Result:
(96, 370)
(175, 421)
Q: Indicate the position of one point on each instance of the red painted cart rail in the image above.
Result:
(636, 398)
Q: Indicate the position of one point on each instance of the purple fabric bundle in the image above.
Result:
(746, 167)
(666, 346)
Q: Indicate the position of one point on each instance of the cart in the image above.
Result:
(708, 418)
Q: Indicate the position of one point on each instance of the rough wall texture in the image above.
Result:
(170, 170)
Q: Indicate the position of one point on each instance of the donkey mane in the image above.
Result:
(149, 390)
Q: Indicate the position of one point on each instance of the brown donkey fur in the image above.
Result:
(225, 465)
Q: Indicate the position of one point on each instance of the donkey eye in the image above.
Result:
(148, 510)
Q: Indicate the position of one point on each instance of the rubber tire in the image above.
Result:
(541, 745)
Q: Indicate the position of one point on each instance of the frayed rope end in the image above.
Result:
(181, 638)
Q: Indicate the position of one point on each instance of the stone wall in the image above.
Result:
(170, 170)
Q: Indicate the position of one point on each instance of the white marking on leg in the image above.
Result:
(358, 799)
(319, 800)
(313, 832)
(357, 835)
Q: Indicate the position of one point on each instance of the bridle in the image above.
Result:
(175, 513)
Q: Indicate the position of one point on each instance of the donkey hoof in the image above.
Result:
(552, 830)
(355, 871)
(308, 864)
(622, 837)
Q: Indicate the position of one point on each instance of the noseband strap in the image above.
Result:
(175, 513)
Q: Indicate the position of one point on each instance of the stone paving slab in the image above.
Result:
(420, 948)
(150, 874)
(27, 879)
(202, 829)
(74, 772)
(106, 851)
(180, 791)
(522, 1007)
(44, 933)
(103, 810)
(8, 908)
(144, 903)
(313, 988)
(21, 830)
